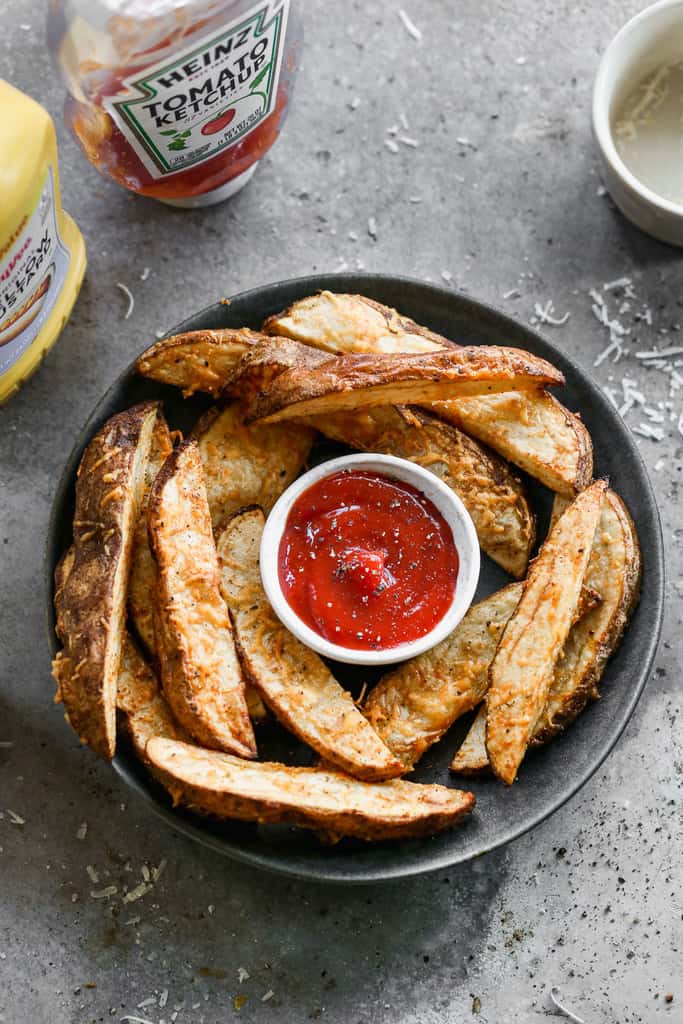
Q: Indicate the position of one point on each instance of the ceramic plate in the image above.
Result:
(549, 776)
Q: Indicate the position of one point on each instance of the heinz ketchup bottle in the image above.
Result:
(176, 99)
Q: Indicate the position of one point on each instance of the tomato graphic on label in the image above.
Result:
(220, 122)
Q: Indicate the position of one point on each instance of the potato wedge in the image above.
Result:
(522, 669)
(531, 429)
(142, 588)
(226, 787)
(534, 431)
(352, 382)
(93, 594)
(139, 700)
(415, 704)
(351, 323)
(200, 673)
(489, 490)
(198, 360)
(614, 569)
(293, 681)
(247, 465)
(142, 706)
(258, 368)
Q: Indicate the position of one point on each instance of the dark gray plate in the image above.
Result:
(549, 776)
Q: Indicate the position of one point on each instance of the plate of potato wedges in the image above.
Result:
(170, 662)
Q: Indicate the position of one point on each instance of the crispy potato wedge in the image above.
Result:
(351, 323)
(258, 368)
(227, 787)
(614, 568)
(198, 360)
(534, 431)
(142, 588)
(92, 596)
(142, 706)
(522, 669)
(352, 382)
(531, 429)
(200, 673)
(415, 704)
(247, 465)
(489, 490)
(293, 681)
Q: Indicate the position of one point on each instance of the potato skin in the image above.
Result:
(200, 673)
(198, 360)
(521, 672)
(92, 597)
(142, 588)
(531, 429)
(340, 322)
(223, 786)
(615, 570)
(142, 709)
(365, 380)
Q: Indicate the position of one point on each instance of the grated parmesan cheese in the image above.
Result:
(137, 893)
(129, 295)
(410, 27)
(104, 894)
(652, 433)
(545, 315)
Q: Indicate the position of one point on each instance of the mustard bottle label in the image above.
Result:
(33, 266)
(182, 112)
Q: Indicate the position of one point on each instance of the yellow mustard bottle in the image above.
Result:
(42, 253)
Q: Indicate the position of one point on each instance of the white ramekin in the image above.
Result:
(450, 507)
(646, 42)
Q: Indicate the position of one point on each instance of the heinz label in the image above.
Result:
(183, 111)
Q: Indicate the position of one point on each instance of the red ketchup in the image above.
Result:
(367, 561)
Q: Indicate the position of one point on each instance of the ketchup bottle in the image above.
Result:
(176, 99)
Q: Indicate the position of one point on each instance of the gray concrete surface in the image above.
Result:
(591, 901)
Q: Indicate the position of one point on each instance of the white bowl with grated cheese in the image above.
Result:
(640, 56)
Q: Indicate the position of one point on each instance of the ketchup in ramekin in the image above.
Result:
(367, 561)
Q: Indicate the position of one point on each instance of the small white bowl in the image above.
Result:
(646, 42)
(450, 507)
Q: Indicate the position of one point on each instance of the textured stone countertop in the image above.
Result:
(500, 196)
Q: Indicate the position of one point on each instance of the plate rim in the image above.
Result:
(322, 873)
